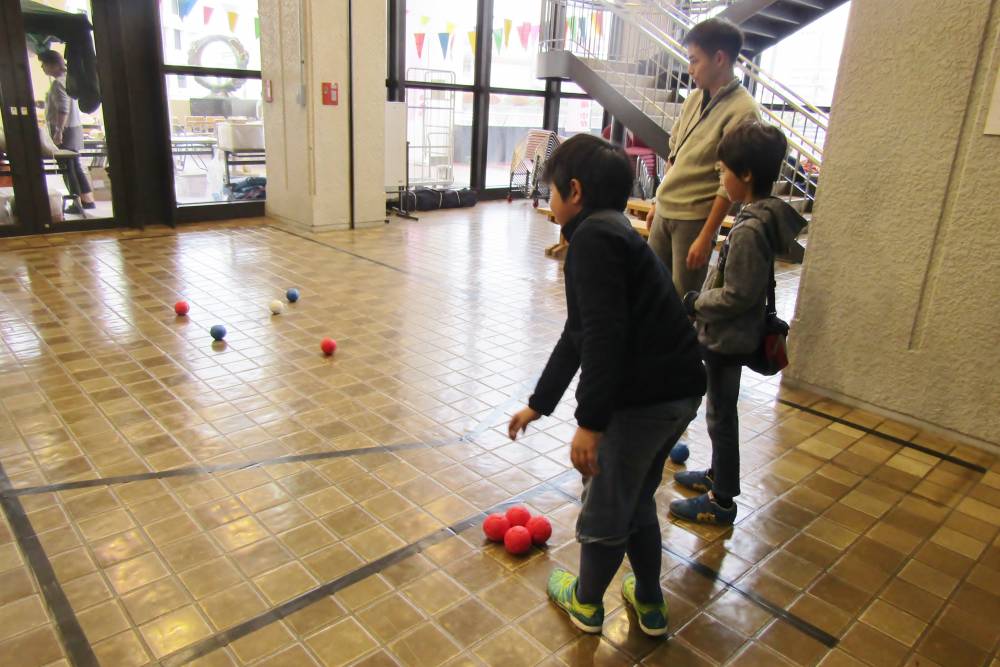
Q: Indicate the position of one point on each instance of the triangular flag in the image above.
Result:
(418, 37)
(256, 26)
(233, 18)
(524, 32)
(535, 30)
(424, 20)
(444, 38)
(184, 7)
(498, 37)
(570, 27)
(450, 27)
(472, 40)
(582, 28)
(507, 23)
(599, 22)
(208, 14)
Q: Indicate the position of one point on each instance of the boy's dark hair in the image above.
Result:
(602, 169)
(51, 58)
(716, 35)
(756, 148)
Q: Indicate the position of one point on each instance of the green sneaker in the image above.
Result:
(652, 617)
(562, 591)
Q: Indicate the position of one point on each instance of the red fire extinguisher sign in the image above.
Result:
(331, 94)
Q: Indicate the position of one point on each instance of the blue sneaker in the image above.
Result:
(562, 591)
(696, 480)
(652, 617)
(702, 509)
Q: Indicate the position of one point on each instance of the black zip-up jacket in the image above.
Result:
(625, 326)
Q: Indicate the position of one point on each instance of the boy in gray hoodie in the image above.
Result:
(730, 309)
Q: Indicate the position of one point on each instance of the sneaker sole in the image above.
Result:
(700, 522)
(589, 629)
(649, 632)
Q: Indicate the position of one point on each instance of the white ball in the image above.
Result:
(277, 307)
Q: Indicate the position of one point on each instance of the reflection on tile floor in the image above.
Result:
(877, 553)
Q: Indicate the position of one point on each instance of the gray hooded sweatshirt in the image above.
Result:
(730, 308)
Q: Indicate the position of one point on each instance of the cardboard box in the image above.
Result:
(101, 183)
(241, 136)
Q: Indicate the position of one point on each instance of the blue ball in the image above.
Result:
(680, 453)
(218, 332)
(292, 295)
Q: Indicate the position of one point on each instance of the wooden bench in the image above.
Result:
(636, 209)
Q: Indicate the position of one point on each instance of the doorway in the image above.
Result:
(56, 159)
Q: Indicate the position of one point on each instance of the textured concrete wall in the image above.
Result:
(308, 157)
(899, 305)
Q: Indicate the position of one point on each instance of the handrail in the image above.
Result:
(746, 64)
(640, 55)
(668, 42)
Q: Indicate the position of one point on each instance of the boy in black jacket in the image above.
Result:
(641, 382)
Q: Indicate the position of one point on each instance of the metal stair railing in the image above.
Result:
(636, 47)
(651, 74)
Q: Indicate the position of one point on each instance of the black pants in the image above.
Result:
(73, 172)
(724, 426)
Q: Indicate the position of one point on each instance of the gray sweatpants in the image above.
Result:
(670, 240)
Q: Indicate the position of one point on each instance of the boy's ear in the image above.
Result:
(575, 192)
(747, 177)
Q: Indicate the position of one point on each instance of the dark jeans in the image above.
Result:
(73, 173)
(630, 455)
(619, 504)
(723, 421)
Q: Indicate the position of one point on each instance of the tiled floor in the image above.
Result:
(258, 503)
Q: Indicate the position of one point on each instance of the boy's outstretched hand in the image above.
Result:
(520, 421)
(583, 451)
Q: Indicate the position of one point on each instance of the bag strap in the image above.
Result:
(772, 305)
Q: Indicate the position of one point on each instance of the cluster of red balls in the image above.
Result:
(517, 529)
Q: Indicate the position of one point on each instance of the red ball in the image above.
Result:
(540, 529)
(328, 345)
(518, 516)
(517, 540)
(495, 527)
(181, 308)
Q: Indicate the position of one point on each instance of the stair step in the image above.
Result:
(779, 14)
(754, 27)
(811, 4)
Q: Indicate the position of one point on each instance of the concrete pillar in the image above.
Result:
(304, 43)
(899, 305)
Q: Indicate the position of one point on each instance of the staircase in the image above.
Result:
(767, 22)
(628, 56)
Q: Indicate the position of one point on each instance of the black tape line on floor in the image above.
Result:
(228, 467)
(226, 637)
(71, 635)
(885, 436)
(796, 622)
(469, 437)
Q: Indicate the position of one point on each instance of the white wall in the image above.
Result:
(308, 146)
(898, 306)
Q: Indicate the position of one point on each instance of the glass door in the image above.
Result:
(211, 67)
(55, 140)
(16, 115)
(67, 94)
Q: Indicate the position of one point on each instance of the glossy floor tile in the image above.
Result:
(171, 500)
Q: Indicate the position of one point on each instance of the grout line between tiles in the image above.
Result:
(885, 436)
(226, 637)
(74, 641)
